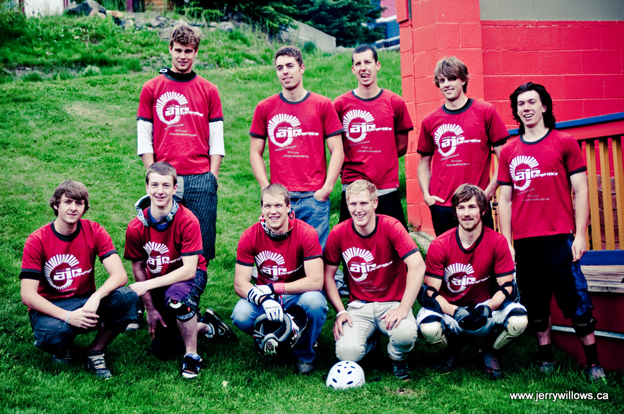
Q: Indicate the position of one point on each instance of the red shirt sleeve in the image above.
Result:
(332, 254)
(435, 260)
(146, 104)
(573, 157)
(32, 259)
(104, 243)
(311, 245)
(401, 240)
(331, 123)
(191, 237)
(259, 122)
(504, 264)
(134, 242)
(215, 112)
(402, 119)
(504, 176)
(244, 252)
(496, 130)
(426, 146)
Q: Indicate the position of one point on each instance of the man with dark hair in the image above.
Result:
(455, 144)
(180, 121)
(164, 244)
(537, 174)
(298, 123)
(385, 271)
(58, 282)
(288, 256)
(376, 124)
(469, 287)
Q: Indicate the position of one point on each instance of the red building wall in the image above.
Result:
(580, 63)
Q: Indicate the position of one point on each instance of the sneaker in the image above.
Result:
(594, 373)
(217, 329)
(97, 364)
(134, 325)
(547, 367)
(448, 357)
(491, 366)
(401, 370)
(63, 360)
(304, 368)
(191, 366)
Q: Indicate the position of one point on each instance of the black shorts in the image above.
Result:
(389, 205)
(443, 220)
(544, 268)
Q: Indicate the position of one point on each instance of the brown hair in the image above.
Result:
(451, 68)
(74, 190)
(162, 168)
(464, 193)
(291, 51)
(185, 35)
(358, 186)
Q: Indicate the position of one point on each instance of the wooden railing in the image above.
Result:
(600, 139)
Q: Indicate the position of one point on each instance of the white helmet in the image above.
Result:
(344, 375)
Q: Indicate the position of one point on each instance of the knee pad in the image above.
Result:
(515, 326)
(180, 310)
(540, 325)
(584, 324)
(433, 334)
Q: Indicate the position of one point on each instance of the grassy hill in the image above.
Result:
(84, 128)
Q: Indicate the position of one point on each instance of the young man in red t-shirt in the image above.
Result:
(288, 256)
(385, 271)
(537, 173)
(180, 121)
(469, 286)
(58, 281)
(376, 124)
(298, 123)
(165, 247)
(455, 144)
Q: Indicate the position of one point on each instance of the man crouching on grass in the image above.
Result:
(165, 245)
(58, 282)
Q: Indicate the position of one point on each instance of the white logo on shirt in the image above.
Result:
(157, 256)
(285, 128)
(173, 104)
(360, 263)
(61, 270)
(448, 136)
(357, 123)
(459, 276)
(524, 168)
(271, 264)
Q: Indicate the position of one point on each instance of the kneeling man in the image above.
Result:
(58, 281)
(288, 255)
(376, 250)
(469, 286)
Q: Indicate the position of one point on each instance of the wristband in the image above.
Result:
(340, 313)
(67, 317)
(279, 288)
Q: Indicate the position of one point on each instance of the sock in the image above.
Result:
(545, 353)
(591, 354)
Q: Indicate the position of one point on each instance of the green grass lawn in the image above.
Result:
(84, 129)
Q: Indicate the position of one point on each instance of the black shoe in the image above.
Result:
(491, 366)
(217, 329)
(448, 357)
(401, 370)
(97, 364)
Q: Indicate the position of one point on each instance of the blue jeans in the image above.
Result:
(315, 213)
(313, 303)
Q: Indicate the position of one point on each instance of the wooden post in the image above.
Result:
(594, 210)
(619, 185)
(607, 198)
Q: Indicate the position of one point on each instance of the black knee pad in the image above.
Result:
(540, 324)
(431, 318)
(584, 324)
(180, 310)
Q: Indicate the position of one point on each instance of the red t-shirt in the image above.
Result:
(375, 263)
(369, 140)
(163, 250)
(540, 173)
(469, 275)
(460, 143)
(278, 261)
(180, 112)
(64, 264)
(297, 133)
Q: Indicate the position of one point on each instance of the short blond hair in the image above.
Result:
(275, 190)
(358, 186)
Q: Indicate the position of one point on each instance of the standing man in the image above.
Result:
(537, 173)
(288, 256)
(455, 144)
(469, 287)
(298, 123)
(376, 124)
(180, 121)
(58, 282)
(164, 244)
(385, 273)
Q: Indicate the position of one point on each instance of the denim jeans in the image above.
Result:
(315, 213)
(313, 303)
